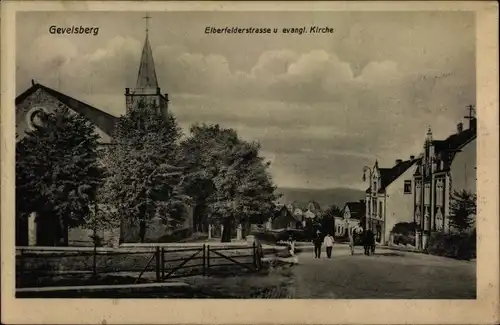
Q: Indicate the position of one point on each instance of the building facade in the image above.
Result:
(446, 166)
(388, 199)
(352, 215)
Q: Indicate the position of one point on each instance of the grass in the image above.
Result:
(271, 283)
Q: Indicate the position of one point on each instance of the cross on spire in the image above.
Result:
(147, 22)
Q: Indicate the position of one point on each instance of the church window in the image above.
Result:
(407, 187)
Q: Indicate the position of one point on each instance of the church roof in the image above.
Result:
(147, 73)
(102, 120)
(389, 175)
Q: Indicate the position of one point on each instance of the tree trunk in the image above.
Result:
(142, 230)
(226, 234)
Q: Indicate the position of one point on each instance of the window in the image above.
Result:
(380, 210)
(374, 186)
(407, 187)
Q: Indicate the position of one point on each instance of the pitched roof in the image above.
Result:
(146, 78)
(356, 209)
(455, 141)
(102, 120)
(389, 175)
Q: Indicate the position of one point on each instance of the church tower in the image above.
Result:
(147, 89)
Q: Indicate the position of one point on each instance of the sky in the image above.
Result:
(321, 105)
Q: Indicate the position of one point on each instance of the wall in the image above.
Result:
(463, 173)
(398, 206)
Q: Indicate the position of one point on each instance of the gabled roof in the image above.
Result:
(389, 175)
(356, 209)
(455, 141)
(102, 120)
(146, 78)
(281, 207)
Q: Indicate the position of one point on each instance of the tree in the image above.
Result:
(328, 219)
(145, 172)
(58, 173)
(463, 210)
(241, 189)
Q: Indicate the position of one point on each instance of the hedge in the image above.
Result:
(455, 245)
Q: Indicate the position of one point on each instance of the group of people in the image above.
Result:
(368, 240)
(318, 241)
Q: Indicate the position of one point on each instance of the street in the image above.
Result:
(387, 274)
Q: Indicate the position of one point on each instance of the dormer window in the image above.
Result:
(374, 186)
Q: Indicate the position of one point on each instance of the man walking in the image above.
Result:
(329, 245)
(317, 245)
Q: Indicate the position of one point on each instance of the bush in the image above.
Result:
(273, 237)
(455, 245)
(404, 239)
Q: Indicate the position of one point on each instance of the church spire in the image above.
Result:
(146, 78)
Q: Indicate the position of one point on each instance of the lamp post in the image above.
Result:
(368, 212)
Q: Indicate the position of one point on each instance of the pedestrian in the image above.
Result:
(351, 239)
(366, 242)
(317, 241)
(329, 245)
(371, 237)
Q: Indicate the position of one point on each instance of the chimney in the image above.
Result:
(33, 82)
(127, 91)
(412, 157)
(166, 97)
(158, 92)
(460, 127)
(398, 161)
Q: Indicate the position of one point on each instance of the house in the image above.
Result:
(283, 218)
(446, 166)
(389, 198)
(352, 214)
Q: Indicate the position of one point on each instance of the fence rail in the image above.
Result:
(159, 263)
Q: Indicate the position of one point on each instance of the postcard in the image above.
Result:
(249, 162)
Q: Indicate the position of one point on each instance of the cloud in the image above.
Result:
(320, 112)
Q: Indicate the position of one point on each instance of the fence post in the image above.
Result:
(162, 263)
(208, 259)
(157, 264)
(204, 257)
(21, 267)
(254, 256)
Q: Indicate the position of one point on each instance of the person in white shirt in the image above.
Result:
(328, 241)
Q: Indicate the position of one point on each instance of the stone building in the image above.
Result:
(388, 199)
(446, 166)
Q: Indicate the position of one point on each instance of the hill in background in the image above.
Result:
(325, 197)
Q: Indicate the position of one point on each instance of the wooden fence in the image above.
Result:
(42, 267)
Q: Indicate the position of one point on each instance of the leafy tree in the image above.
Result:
(463, 210)
(145, 170)
(240, 187)
(57, 173)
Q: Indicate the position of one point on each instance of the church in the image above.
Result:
(40, 98)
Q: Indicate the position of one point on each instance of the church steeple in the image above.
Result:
(147, 90)
(147, 74)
